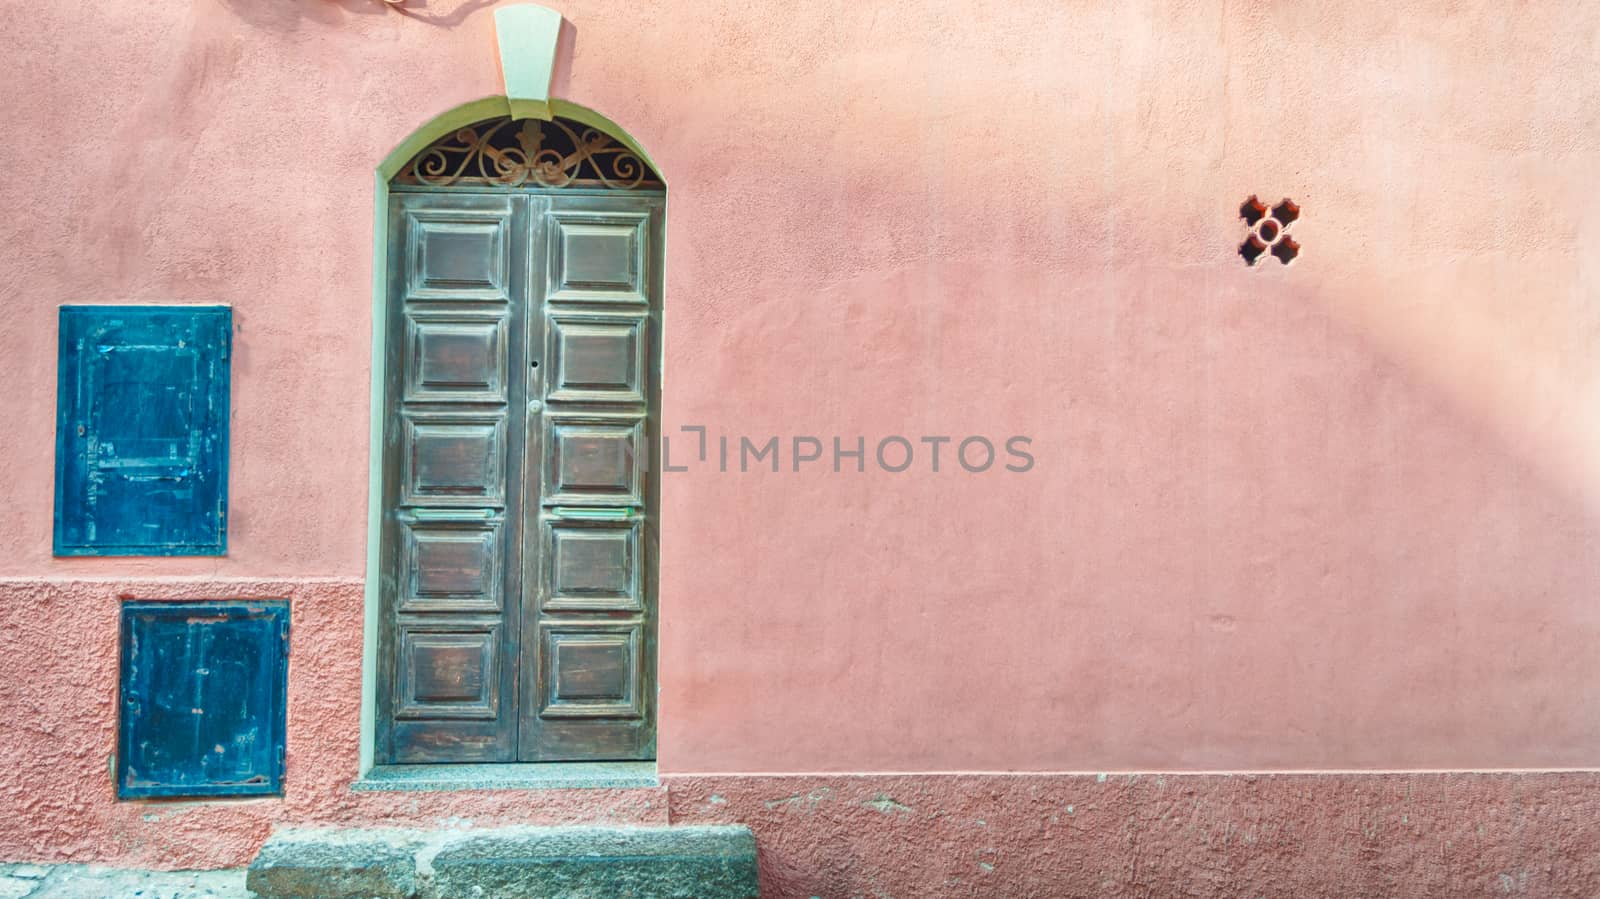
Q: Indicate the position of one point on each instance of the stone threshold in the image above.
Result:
(684, 862)
(525, 776)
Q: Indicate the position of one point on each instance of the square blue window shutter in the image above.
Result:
(142, 431)
(203, 698)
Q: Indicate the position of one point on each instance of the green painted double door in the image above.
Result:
(520, 503)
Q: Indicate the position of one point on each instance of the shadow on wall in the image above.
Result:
(1309, 505)
(278, 14)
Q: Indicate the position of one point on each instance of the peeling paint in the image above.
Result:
(885, 804)
(809, 800)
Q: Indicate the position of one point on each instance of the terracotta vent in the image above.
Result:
(1269, 231)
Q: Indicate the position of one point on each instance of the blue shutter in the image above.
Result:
(203, 687)
(142, 431)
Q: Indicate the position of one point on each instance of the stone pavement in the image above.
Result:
(100, 882)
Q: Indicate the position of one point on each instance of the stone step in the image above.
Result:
(692, 862)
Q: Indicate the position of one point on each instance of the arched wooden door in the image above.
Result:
(520, 502)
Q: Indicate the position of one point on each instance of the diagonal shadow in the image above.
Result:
(289, 14)
(413, 9)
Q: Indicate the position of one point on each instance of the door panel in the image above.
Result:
(596, 358)
(455, 460)
(459, 253)
(452, 475)
(455, 357)
(594, 460)
(599, 251)
(451, 567)
(592, 671)
(592, 566)
(592, 620)
(520, 532)
(447, 671)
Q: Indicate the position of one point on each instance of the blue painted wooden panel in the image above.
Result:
(203, 695)
(142, 431)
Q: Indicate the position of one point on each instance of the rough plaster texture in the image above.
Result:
(1353, 836)
(58, 681)
(1335, 515)
(1371, 834)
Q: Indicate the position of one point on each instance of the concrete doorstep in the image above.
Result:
(545, 862)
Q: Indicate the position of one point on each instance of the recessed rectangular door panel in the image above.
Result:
(451, 566)
(455, 357)
(596, 358)
(459, 250)
(592, 566)
(594, 460)
(454, 460)
(448, 672)
(591, 671)
(597, 255)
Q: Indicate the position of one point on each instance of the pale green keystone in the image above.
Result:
(527, 35)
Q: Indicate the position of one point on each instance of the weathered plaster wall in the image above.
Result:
(1353, 835)
(1362, 835)
(58, 683)
(1335, 515)
(1345, 835)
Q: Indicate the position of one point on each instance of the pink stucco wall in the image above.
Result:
(58, 682)
(1335, 515)
(1351, 834)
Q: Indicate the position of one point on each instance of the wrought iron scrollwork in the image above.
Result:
(558, 153)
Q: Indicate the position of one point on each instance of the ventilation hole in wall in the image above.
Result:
(1269, 230)
(1252, 210)
(1251, 249)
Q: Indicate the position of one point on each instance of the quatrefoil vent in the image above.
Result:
(1269, 230)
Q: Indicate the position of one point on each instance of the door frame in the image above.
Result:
(441, 125)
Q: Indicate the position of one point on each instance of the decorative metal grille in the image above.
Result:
(504, 153)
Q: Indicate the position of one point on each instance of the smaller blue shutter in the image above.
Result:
(203, 698)
(142, 431)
